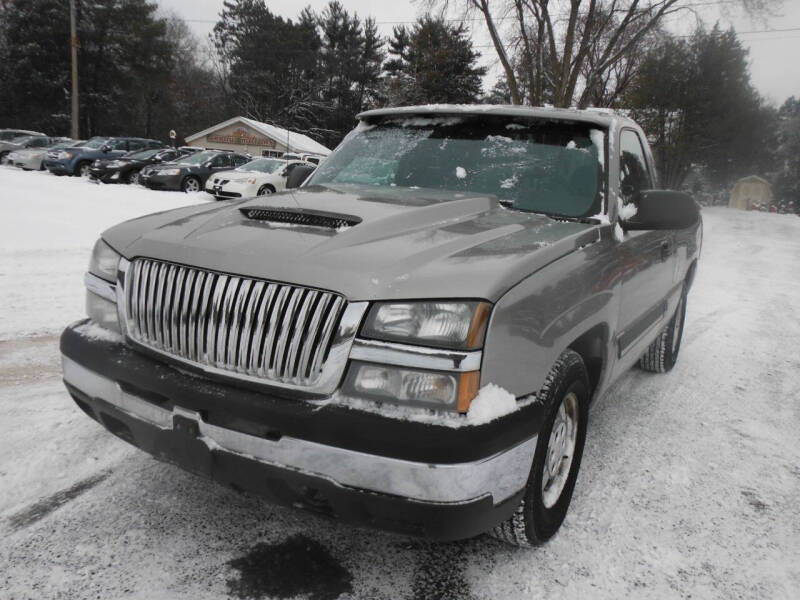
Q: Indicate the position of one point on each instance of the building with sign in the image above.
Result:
(241, 134)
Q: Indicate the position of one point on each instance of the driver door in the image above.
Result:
(646, 261)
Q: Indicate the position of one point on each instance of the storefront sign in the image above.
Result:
(242, 137)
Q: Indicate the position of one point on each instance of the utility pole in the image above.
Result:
(74, 43)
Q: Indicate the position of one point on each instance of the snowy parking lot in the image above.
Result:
(689, 485)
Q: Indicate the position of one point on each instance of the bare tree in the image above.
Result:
(574, 48)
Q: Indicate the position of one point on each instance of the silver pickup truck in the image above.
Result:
(411, 340)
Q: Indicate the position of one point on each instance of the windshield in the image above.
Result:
(263, 165)
(545, 166)
(23, 139)
(9, 135)
(96, 142)
(142, 154)
(198, 158)
(63, 145)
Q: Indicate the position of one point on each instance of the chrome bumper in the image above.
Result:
(499, 476)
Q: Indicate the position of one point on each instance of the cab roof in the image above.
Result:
(604, 118)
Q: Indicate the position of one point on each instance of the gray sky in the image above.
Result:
(774, 56)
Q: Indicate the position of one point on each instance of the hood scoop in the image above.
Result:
(300, 216)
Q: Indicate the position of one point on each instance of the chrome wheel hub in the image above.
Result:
(560, 450)
(192, 185)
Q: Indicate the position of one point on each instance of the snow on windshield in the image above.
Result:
(546, 166)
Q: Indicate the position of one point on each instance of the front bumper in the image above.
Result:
(232, 189)
(161, 182)
(60, 167)
(104, 174)
(362, 468)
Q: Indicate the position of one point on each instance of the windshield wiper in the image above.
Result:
(554, 216)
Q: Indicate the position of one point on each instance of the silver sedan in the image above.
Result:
(30, 159)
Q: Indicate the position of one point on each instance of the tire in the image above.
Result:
(544, 505)
(265, 190)
(191, 184)
(662, 354)
(133, 177)
(82, 169)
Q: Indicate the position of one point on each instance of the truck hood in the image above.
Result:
(407, 243)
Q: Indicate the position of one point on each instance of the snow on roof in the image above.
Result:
(296, 142)
(599, 116)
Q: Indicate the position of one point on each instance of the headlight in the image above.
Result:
(12, 155)
(65, 155)
(114, 164)
(104, 261)
(411, 387)
(251, 180)
(170, 172)
(442, 324)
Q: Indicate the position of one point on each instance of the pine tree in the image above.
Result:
(433, 62)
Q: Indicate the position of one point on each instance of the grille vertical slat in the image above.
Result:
(311, 336)
(186, 299)
(272, 331)
(212, 323)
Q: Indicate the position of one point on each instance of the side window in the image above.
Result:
(135, 144)
(118, 144)
(239, 160)
(633, 174)
(39, 142)
(223, 160)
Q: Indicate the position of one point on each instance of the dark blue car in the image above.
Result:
(78, 160)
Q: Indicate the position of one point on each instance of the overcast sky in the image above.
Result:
(774, 56)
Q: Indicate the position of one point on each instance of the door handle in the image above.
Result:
(666, 249)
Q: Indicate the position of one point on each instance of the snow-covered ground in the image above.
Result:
(689, 485)
(48, 226)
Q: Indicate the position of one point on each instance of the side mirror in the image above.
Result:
(298, 175)
(106, 148)
(663, 209)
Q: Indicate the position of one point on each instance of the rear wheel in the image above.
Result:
(662, 354)
(191, 184)
(557, 457)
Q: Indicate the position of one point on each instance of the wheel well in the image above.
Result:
(592, 348)
(268, 185)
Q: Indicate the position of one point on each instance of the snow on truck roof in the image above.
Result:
(599, 116)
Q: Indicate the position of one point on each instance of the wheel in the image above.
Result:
(662, 354)
(265, 190)
(133, 177)
(191, 184)
(557, 458)
(83, 169)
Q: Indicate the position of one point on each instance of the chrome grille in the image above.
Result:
(270, 331)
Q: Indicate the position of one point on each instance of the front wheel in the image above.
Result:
(265, 190)
(662, 354)
(191, 184)
(557, 458)
(133, 177)
(84, 169)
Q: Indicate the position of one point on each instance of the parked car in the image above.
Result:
(78, 160)
(25, 141)
(189, 174)
(411, 340)
(31, 159)
(259, 177)
(305, 157)
(10, 134)
(126, 169)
